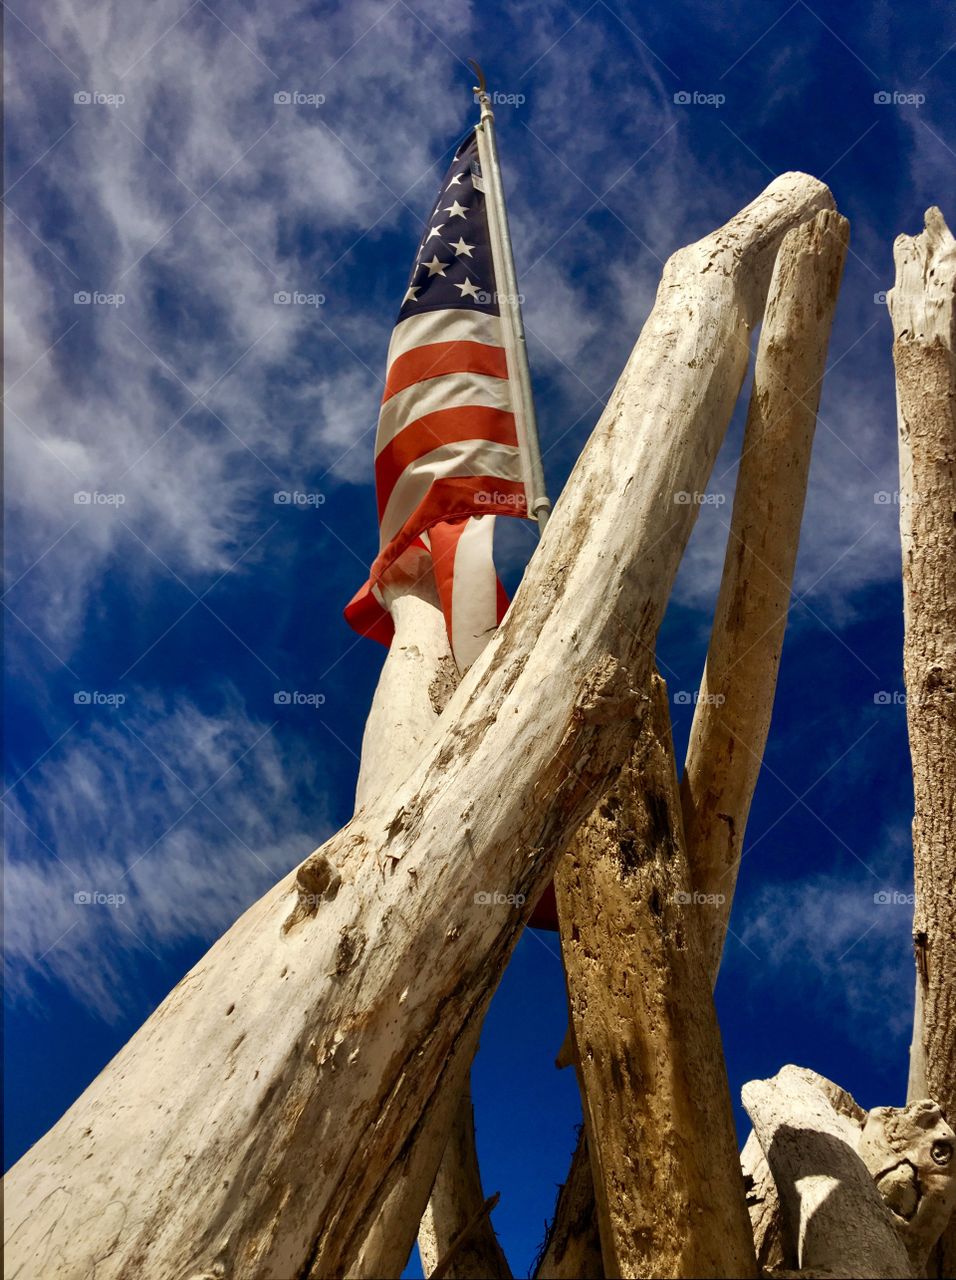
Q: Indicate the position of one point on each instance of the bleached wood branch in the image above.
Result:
(923, 309)
(247, 1128)
(434, 1188)
(417, 679)
(657, 1108)
(735, 702)
(454, 1225)
(909, 1153)
(831, 1207)
(734, 707)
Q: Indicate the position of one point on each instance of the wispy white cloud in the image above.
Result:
(845, 936)
(187, 815)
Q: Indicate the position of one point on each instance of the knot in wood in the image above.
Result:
(316, 881)
(607, 695)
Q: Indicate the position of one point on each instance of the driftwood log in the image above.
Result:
(724, 758)
(435, 1187)
(923, 310)
(908, 1152)
(418, 677)
(454, 1225)
(743, 662)
(248, 1128)
(657, 1107)
(735, 701)
(732, 716)
(832, 1211)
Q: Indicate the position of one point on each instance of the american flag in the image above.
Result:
(449, 454)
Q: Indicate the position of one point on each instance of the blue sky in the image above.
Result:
(149, 629)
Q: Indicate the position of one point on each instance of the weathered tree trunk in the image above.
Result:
(908, 1152)
(763, 1205)
(735, 702)
(734, 707)
(923, 310)
(830, 1204)
(246, 1130)
(418, 677)
(454, 1211)
(658, 1115)
(439, 1165)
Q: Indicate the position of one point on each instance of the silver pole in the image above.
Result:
(539, 504)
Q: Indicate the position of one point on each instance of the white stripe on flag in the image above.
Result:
(474, 600)
(451, 391)
(466, 458)
(444, 326)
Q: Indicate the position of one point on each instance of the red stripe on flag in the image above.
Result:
(365, 615)
(450, 498)
(502, 601)
(438, 358)
(434, 431)
(444, 538)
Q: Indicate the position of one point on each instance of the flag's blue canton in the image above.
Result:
(453, 267)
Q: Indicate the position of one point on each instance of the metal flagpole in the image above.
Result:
(539, 504)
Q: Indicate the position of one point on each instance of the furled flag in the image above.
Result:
(450, 453)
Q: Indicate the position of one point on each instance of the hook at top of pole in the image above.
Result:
(480, 87)
(481, 92)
